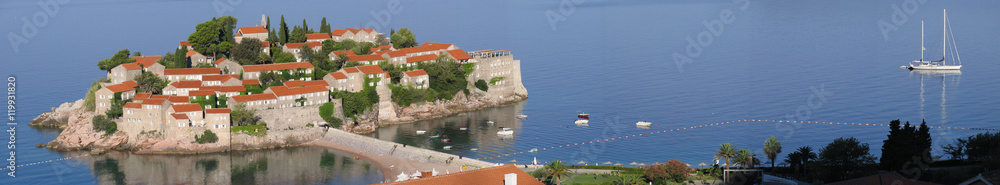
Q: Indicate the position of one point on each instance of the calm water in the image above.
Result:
(612, 59)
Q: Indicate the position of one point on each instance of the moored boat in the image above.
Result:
(505, 131)
(643, 123)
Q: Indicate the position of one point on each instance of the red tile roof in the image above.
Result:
(265, 44)
(253, 29)
(186, 84)
(217, 111)
(122, 87)
(192, 71)
(153, 101)
(192, 52)
(440, 45)
(298, 45)
(254, 97)
(221, 78)
(338, 75)
(285, 91)
(178, 99)
(420, 72)
(133, 105)
(459, 54)
(357, 58)
(179, 116)
(141, 96)
(421, 58)
(201, 93)
(251, 82)
(188, 107)
(185, 43)
(338, 32)
(277, 67)
(299, 83)
(351, 70)
(237, 88)
(370, 69)
(131, 66)
(220, 60)
(158, 97)
(146, 61)
(210, 88)
(345, 52)
(382, 47)
(424, 48)
(313, 36)
(483, 176)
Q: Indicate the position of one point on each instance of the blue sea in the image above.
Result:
(677, 64)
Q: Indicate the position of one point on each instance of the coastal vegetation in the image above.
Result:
(446, 77)
(150, 83)
(481, 85)
(177, 59)
(326, 112)
(207, 137)
(725, 151)
(772, 147)
(904, 143)
(214, 36)
(115, 110)
(247, 52)
(90, 101)
(357, 103)
(843, 159)
(121, 57)
(241, 116)
(103, 123)
(406, 95)
(403, 38)
(252, 130)
(673, 170)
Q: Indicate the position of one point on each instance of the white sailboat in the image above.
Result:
(941, 64)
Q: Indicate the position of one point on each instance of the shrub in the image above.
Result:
(102, 123)
(207, 137)
(90, 102)
(481, 84)
(673, 170)
(326, 112)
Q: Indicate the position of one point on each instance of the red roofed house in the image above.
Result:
(185, 43)
(299, 96)
(412, 61)
(459, 55)
(179, 120)
(179, 99)
(257, 32)
(140, 96)
(194, 58)
(417, 79)
(318, 37)
(366, 59)
(255, 101)
(188, 73)
(395, 57)
(300, 83)
(217, 120)
(192, 111)
(374, 71)
(149, 63)
(124, 72)
(228, 66)
(295, 47)
(383, 48)
(254, 71)
(221, 80)
(337, 81)
(230, 91)
(336, 54)
(497, 175)
(181, 88)
(136, 118)
(122, 91)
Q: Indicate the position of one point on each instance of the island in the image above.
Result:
(257, 87)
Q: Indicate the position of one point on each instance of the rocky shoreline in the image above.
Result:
(369, 122)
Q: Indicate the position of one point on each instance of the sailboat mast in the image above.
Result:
(921, 41)
(944, 34)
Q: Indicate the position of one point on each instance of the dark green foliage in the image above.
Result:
(149, 83)
(326, 112)
(214, 36)
(298, 35)
(324, 27)
(247, 52)
(845, 158)
(481, 84)
(207, 100)
(283, 31)
(102, 123)
(357, 103)
(403, 38)
(178, 59)
(282, 57)
(242, 116)
(395, 72)
(89, 101)
(207, 137)
(305, 26)
(982, 147)
(115, 111)
(903, 144)
(404, 95)
(253, 89)
(446, 77)
(122, 57)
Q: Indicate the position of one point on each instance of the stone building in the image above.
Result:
(257, 32)
(188, 73)
(299, 96)
(103, 96)
(254, 71)
(255, 101)
(124, 72)
(417, 79)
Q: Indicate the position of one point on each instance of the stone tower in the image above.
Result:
(263, 20)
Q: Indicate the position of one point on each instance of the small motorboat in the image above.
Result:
(489, 122)
(643, 123)
(505, 131)
(463, 128)
(421, 131)
(583, 115)
(474, 149)
(522, 116)
(582, 121)
(435, 136)
(447, 147)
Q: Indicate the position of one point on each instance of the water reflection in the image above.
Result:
(299, 165)
(956, 76)
(468, 134)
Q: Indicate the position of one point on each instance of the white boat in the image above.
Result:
(940, 64)
(474, 149)
(447, 147)
(582, 121)
(421, 131)
(522, 116)
(463, 128)
(489, 122)
(643, 123)
(505, 131)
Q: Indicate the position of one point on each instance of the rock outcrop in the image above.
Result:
(59, 117)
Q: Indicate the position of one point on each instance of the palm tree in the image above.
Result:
(556, 170)
(745, 158)
(628, 179)
(806, 154)
(794, 161)
(725, 151)
(772, 148)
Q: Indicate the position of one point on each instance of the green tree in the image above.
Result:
(806, 154)
(122, 57)
(904, 143)
(207, 137)
(305, 26)
(672, 170)
(177, 59)
(628, 179)
(772, 148)
(103, 123)
(403, 38)
(745, 158)
(214, 36)
(282, 57)
(247, 52)
(115, 109)
(228, 29)
(481, 84)
(984, 147)
(150, 83)
(242, 116)
(555, 171)
(137, 53)
(324, 27)
(298, 35)
(283, 31)
(326, 112)
(726, 151)
(845, 158)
